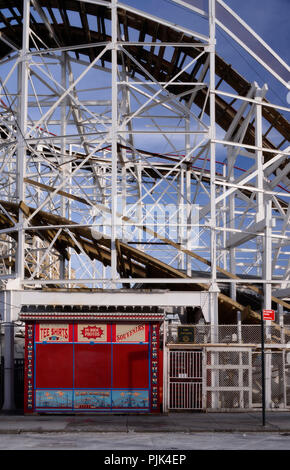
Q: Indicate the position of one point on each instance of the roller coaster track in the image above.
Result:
(64, 34)
(132, 262)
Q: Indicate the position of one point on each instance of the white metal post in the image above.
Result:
(264, 210)
(231, 223)
(212, 135)
(114, 137)
(204, 378)
(63, 145)
(20, 250)
(21, 153)
(240, 370)
(214, 288)
(268, 299)
(189, 218)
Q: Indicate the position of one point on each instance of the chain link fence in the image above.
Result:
(232, 366)
(229, 334)
(228, 379)
(277, 379)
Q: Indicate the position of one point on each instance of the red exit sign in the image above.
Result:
(269, 315)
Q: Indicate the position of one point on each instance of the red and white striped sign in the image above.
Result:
(269, 315)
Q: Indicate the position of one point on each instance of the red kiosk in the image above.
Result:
(92, 362)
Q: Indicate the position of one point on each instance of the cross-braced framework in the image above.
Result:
(133, 155)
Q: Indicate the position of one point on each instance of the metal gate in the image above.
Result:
(185, 380)
(18, 383)
(228, 377)
(225, 378)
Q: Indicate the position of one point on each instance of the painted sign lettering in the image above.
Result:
(54, 333)
(130, 333)
(92, 333)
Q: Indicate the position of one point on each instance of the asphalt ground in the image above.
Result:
(110, 447)
(176, 422)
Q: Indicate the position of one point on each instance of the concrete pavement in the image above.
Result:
(276, 421)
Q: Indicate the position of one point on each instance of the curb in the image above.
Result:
(144, 431)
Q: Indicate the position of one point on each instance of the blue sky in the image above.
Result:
(269, 18)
